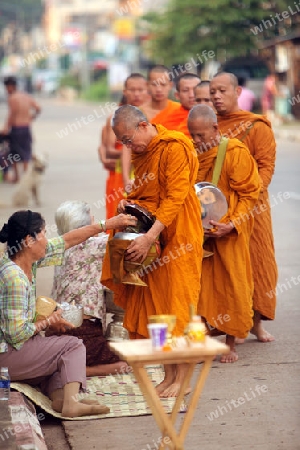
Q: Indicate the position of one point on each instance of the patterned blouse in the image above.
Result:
(18, 296)
(78, 278)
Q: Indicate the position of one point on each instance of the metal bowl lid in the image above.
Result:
(212, 201)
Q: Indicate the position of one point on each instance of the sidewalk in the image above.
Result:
(290, 132)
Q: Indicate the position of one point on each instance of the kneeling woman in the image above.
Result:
(77, 280)
(56, 363)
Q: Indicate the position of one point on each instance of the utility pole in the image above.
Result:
(85, 70)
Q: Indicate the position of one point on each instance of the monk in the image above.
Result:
(134, 93)
(202, 94)
(158, 110)
(185, 86)
(256, 133)
(109, 164)
(160, 85)
(226, 283)
(169, 194)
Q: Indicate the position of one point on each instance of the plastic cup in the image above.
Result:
(158, 334)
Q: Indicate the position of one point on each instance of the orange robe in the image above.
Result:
(169, 194)
(165, 114)
(114, 187)
(183, 127)
(172, 116)
(226, 283)
(261, 143)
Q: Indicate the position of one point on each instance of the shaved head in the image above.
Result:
(159, 68)
(202, 112)
(224, 93)
(233, 79)
(134, 76)
(128, 116)
(203, 127)
(203, 83)
(186, 76)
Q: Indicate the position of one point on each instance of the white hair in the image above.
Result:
(71, 215)
(202, 111)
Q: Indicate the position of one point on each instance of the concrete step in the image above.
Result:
(19, 425)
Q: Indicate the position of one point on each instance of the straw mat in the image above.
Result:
(120, 393)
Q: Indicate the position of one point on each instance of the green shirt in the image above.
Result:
(18, 296)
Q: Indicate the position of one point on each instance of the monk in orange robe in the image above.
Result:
(166, 166)
(159, 86)
(256, 133)
(109, 164)
(226, 284)
(185, 86)
(202, 94)
(157, 110)
(135, 93)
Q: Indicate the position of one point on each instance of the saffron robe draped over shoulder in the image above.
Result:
(165, 175)
(166, 116)
(226, 282)
(172, 116)
(256, 133)
(183, 127)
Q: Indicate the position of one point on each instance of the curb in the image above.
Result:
(19, 425)
(289, 135)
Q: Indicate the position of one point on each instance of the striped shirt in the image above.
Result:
(18, 296)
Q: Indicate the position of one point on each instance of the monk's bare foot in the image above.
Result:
(261, 334)
(78, 409)
(239, 341)
(231, 357)
(170, 375)
(161, 387)
(173, 391)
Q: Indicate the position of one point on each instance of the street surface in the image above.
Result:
(266, 376)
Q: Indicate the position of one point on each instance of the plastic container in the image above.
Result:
(196, 331)
(4, 384)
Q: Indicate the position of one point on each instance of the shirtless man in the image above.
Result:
(22, 111)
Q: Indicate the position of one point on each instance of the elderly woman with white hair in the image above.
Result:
(78, 279)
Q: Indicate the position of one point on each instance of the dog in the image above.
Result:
(29, 184)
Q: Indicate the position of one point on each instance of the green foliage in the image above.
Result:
(186, 28)
(97, 91)
(70, 80)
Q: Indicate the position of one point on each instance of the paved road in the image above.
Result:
(269, 421)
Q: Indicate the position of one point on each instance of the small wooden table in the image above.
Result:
(139, 353)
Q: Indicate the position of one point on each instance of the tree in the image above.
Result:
(225, 27)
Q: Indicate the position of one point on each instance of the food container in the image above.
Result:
(196, 331)
(44, 307)
(72, 313)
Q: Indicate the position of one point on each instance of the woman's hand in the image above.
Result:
(138, 249)
(57, 324)
(121, 221)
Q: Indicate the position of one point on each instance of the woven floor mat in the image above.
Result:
(120, 393)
